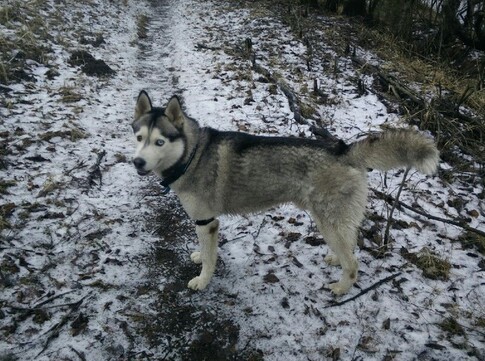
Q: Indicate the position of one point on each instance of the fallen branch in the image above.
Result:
(400, 90)
(365, 290)
(79, 354)
(54, 330)
(30, 310)
(247, 52)
(95, 171)
(292, 101)
(80, 165)
(200, 46)
(50, 299)
(324, 134)
(290, 95)
(393, 208)
(461, 224)
(329, 141)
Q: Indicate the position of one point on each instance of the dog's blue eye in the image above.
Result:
(160, 142)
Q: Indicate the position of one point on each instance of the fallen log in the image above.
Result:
(285, 88)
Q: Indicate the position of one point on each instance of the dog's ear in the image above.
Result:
(143, 105)
(174, 112)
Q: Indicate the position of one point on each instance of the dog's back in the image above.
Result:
(240, 173)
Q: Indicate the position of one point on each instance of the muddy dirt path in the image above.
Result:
(179, 324)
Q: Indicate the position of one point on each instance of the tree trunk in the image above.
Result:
(355, 8)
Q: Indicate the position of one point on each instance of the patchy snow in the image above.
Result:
(85, 270)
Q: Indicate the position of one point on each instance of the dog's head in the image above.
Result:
(158, 133)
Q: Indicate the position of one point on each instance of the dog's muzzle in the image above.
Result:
(139, 165)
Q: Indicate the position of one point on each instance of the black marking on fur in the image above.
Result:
(204, 222)
(244, 141)
(143, 92)
(155, 115)
(340, 148)
(173, 173)
(136, 127)
(373, 138)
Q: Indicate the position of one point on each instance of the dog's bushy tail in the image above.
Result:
(395, 149)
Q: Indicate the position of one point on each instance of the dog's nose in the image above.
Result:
(139, 163)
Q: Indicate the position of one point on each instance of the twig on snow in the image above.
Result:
(50, 299)
(365, 290)
(54, 330)
(78, 353)
(389, 219)
(39, 305)
(460, 224)
(80, 165)
(95, 171)
(200, 46)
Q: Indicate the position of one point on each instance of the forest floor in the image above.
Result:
(95, 262)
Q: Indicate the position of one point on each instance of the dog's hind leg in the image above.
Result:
(337, 205)
(208, 236)
(341, 240)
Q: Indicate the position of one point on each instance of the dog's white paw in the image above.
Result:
(195, 257)
(332, 260)
(339, 288)
(198, 283)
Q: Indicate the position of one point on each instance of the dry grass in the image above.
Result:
(69, 94)
(20, 42)
(432, 266)
(5, 211)
(465, 86)
(452, 327)
(73, 134)
(142, 26)
(10, 14)
(5, 184)
(472, 240)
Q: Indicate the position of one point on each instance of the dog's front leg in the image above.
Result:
(208, 236)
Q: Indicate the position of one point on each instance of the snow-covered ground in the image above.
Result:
(94, 262)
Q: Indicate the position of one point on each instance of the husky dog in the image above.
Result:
(215, 173)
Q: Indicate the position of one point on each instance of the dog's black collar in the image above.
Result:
(204, 222)
(176, 171)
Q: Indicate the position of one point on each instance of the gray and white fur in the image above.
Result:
(216, 173)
